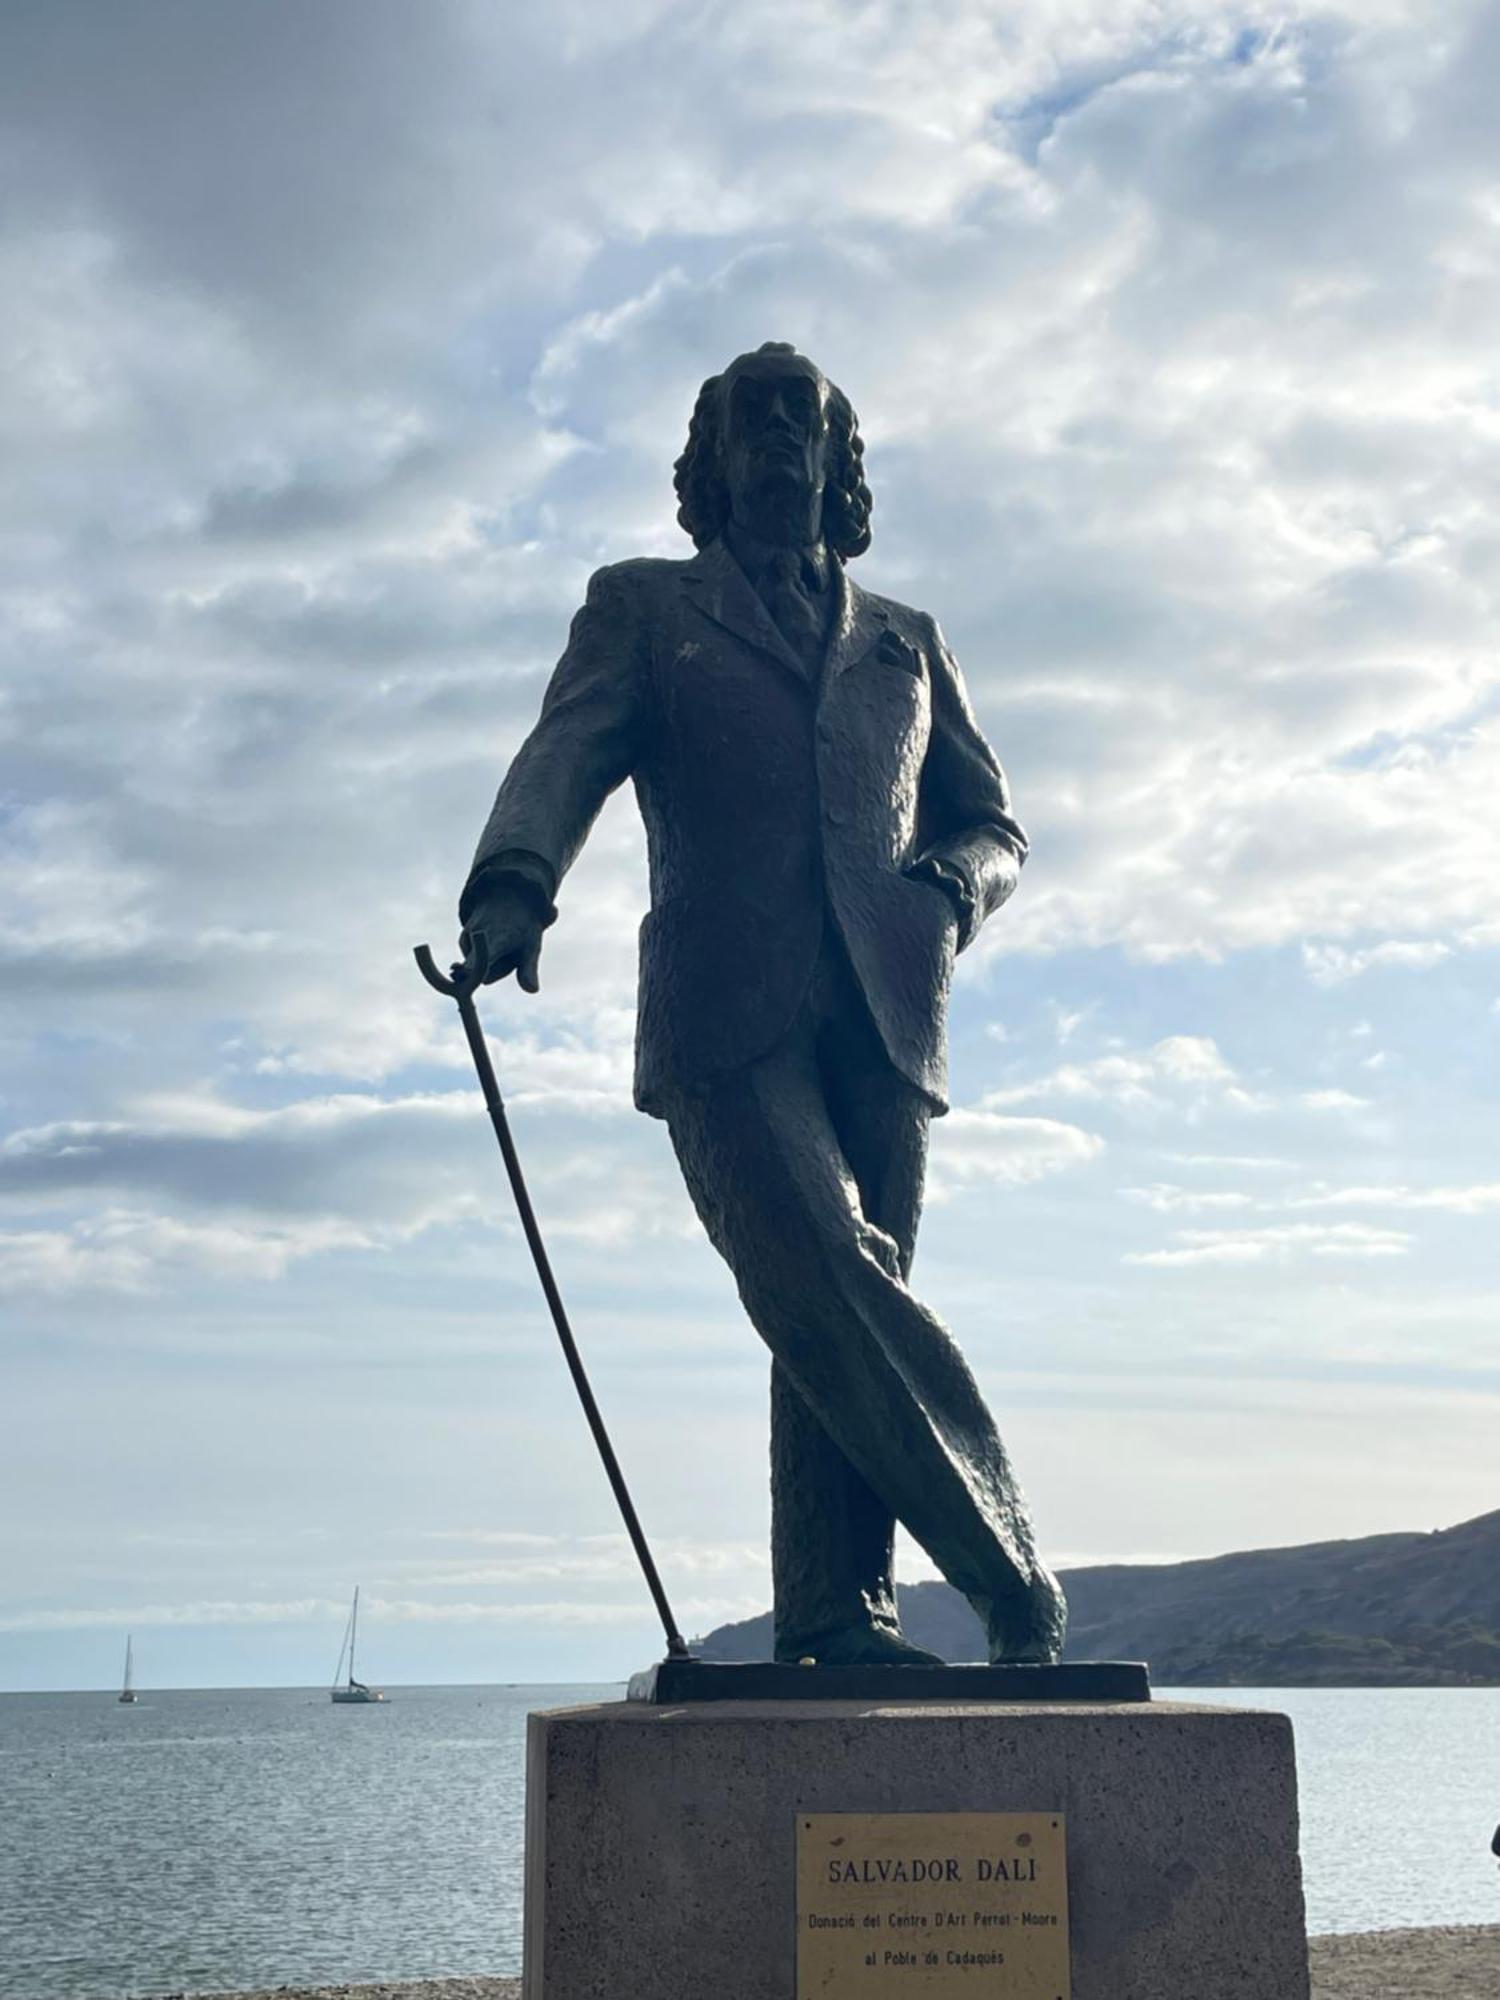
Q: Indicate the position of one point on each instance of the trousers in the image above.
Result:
(807, 1168)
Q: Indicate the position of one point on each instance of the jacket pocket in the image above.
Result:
(898, 652)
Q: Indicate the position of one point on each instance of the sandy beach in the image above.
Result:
(1461, 1964)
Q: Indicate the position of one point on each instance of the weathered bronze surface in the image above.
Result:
(917, 1906)
(827, 828)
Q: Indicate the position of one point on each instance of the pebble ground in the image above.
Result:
(1377, 1965)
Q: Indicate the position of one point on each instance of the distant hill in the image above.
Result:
(1389, 1610)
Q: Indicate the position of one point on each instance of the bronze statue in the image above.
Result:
(826, 828)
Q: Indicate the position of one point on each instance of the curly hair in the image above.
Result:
(703, 493)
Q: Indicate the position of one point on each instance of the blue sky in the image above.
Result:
(342, 343)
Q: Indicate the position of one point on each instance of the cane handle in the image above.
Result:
(466, 974)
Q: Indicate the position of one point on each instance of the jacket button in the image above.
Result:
(834, 817)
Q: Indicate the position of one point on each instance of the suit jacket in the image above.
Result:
(773, 800)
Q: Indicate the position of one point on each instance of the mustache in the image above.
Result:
(783, 469)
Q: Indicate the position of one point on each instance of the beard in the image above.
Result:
(782, 503)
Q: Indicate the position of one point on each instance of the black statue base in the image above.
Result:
(674, 1681)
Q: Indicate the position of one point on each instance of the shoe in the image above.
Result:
(859, 1646)
(1033, 1634)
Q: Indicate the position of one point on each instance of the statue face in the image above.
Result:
(776, 445)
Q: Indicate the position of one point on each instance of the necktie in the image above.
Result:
(798, 613)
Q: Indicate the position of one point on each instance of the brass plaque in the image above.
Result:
(916, 1904)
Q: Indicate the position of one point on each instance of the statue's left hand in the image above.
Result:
(948, 877)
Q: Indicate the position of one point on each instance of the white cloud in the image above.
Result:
(1477, 1200)
(197, 1182)
(982, 1148)
(1191, 1059)
(139, 1617)
(697, 1612)
(128, 1251)
(1333, 1100)
(1177, 1069)
(1168, 1200)
(1068, 1020)
(597, 1559)
(1282, 1243)
(305, 1159)
(1331, 964)
(489, 1537)
(396, 1611)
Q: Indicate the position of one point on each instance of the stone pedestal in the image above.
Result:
(661, 1842)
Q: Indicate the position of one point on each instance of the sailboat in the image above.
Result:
(127, 1691)
(351, 1689)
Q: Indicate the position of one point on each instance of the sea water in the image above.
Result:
(208, 1840)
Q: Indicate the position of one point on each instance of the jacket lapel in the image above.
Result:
(857, 626)
(722, 592)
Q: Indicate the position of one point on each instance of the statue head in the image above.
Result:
(774, 446)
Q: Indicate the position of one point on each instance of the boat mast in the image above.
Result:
(338, 1670)
(353, 1628)
(129, 1686)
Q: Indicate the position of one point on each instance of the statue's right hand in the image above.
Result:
(507, 920)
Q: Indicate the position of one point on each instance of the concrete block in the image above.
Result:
(661, 1842)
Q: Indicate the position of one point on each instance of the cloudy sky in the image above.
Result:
(340, 343)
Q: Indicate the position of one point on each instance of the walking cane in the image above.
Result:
(461, 988)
